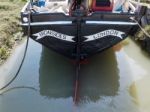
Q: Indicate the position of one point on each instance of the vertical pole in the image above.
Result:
(78, 54)
(138, 4)
(78, 4)
(31, 3)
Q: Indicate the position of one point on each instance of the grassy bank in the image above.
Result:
(9, 26)
(141, 35)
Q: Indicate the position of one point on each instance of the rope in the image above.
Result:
(76, 92)
(19, 87)
(140, 3)
(142, 29)
(17, 73)
(78, 51)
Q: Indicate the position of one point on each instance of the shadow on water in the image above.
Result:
(100, 77)
(56, 75)
(110, 82)
(53, 76)
(97, 78)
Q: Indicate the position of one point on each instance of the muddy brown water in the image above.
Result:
(113, 81)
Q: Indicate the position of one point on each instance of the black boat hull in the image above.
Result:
(91, 34)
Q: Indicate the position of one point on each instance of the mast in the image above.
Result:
(31, 3)
(78, 4)
(138, 4)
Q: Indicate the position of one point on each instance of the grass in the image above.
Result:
(141, 35)
(145, 1)
(9, 26)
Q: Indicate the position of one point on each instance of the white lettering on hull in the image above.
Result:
(65, 37)
(55, 34)
(105, 33)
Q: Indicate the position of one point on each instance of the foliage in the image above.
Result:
(9, 25)
(141, 35)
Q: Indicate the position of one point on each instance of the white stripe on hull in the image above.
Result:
(87, 22)
(111, 22)
(48, 23)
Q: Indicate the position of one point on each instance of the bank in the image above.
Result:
(10, 30)
(143, 35)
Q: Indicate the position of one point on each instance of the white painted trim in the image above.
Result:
(48, 23)
(132, 7)
(111, 22)
(24, 8)
(70, 22)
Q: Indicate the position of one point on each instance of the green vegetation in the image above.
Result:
(9, 26)
(146, 1)
(141, 35)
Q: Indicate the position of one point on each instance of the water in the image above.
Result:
(113, 81)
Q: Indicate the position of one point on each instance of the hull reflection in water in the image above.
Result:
(56, 75)
(98, 78)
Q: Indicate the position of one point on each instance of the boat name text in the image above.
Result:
(105, 33)
(65, 37)
(55, 34)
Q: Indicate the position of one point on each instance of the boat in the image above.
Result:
(79, 29)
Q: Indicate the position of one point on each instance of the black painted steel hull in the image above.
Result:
(92, 34)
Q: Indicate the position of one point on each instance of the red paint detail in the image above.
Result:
(82, 62)
(102, 8)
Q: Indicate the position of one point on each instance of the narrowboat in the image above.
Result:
(79, 29)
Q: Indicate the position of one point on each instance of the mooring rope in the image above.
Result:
(142, 29)
(140, 3)
(76, 88)
(26, 47)
(18, 87)
(78, 56)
